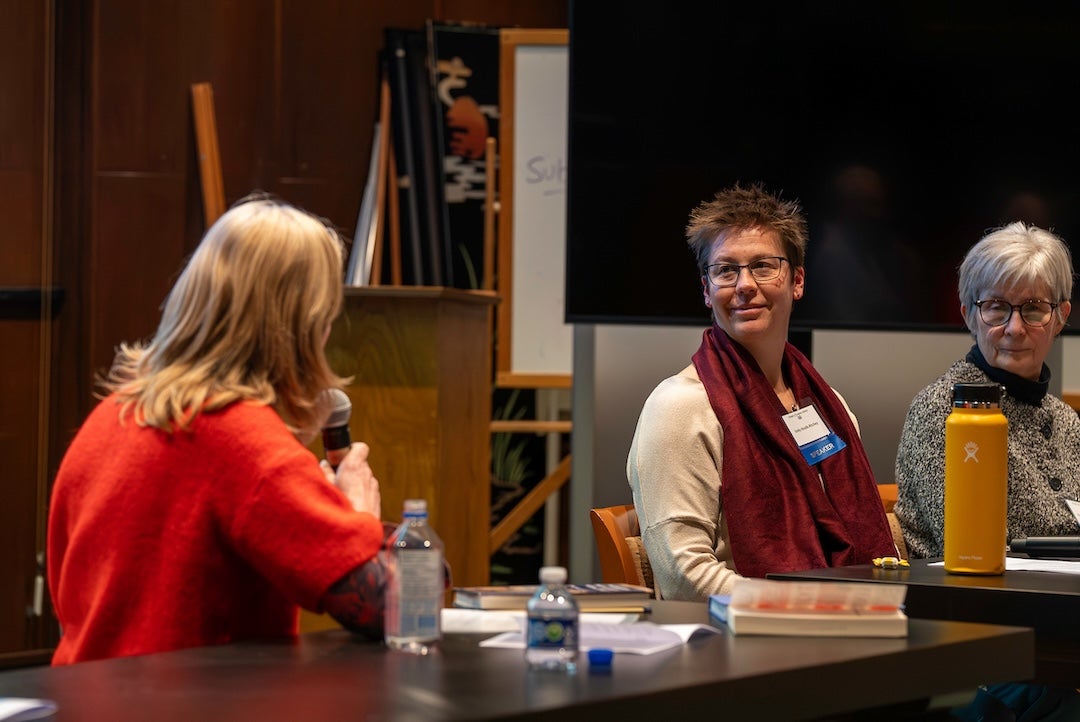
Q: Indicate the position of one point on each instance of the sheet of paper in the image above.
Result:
(484, 621)
(21, 709)
(1034, 565)
(1074, 507)
(639, 638)
(480, 621)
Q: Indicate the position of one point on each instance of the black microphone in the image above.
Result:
(1062, 547)
(335, 433)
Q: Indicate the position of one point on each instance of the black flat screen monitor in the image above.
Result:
(905, 129)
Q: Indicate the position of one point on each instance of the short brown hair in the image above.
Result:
(741, 208)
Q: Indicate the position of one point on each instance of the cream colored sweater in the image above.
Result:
(674, 470)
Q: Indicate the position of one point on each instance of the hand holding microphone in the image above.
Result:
(335, 433)
(348, 462)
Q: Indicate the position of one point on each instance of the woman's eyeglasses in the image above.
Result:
(995, 312)
(761, 270)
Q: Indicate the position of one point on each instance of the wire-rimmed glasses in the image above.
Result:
(761, 270)
(996, 312)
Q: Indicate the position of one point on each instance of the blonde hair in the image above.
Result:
(246, 320)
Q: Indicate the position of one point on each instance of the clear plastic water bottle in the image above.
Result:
(414, 594)
(551, 633)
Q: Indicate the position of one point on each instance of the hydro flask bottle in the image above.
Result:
(976, 480)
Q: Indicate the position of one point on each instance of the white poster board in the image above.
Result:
(534, 343)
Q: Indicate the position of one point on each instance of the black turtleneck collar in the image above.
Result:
(1021, 389)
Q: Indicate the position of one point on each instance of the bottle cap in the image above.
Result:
(600, 659)
(552, 575)
(415, 507)
(977, 395)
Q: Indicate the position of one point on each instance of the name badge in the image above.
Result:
(812, 436)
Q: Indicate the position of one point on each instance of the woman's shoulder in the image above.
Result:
(242, 412)
(1051, 407)
(1058, 406)
(680, 389)
(940, 389)
(243, 424)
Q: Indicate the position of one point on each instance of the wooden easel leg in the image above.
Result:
(491, 207)
(213, 188)
(381, 183)
(395, 222)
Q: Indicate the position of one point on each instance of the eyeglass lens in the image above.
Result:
(763, 269)
(998, 313)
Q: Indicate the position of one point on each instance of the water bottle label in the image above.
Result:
(415, 594)
(552, 634)
(419, 572)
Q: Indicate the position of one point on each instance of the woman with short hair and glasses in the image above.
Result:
(746, 462)
(1014, 288)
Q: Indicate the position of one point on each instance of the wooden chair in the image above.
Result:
(618, 542)
(897, 534)
(888, 494)
(622, 555)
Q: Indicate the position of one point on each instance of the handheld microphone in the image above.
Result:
(335, 432)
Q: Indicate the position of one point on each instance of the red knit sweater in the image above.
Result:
(161, 541)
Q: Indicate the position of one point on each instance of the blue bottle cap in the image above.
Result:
(600, 658)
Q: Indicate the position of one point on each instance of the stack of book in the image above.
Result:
(816, 609)
(589, 597)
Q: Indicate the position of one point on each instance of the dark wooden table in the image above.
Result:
(332, 675)
(1047, 602)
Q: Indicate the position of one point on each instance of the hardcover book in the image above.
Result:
(589, 597)
(812, 609)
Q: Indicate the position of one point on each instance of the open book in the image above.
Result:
(589, 597)
(815, 609)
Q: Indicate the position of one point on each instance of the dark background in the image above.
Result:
(905, 129)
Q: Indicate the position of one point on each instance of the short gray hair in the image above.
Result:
(1012, 255)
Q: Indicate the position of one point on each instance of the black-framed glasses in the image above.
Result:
(762, 269)
(996, 312)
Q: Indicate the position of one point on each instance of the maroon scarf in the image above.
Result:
(779, 518)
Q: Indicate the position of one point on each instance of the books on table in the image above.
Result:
(814, 609)
(590, 597)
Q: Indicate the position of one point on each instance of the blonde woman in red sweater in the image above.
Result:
(187, 510)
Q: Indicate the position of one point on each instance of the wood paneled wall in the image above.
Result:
(295, 94)
(99, 183)
(25, 329)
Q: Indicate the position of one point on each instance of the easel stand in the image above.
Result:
(552, 403)
(532, 124)
(213, 188)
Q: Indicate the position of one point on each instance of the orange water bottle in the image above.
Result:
(976, 480)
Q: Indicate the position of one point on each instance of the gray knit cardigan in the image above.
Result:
(1044, 464)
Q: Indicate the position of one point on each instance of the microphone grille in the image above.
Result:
(340, 407)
